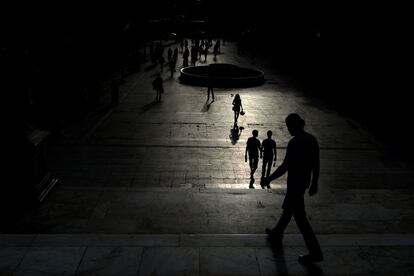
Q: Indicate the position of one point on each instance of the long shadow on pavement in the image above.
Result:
(280, 262)
(206, 106)
(149, 106)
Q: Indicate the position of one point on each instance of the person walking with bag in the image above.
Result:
(237, 107)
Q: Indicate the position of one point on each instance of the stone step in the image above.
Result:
(85, 254)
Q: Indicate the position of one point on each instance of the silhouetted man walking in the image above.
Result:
(269, 155)
(302, 164)
(157, 85)
(186, 54)
(253, 148)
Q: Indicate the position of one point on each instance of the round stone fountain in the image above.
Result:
(222, 75)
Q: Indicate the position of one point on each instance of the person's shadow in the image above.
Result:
(149, 106)
(280, 261)
(235, 133)
(206, 106)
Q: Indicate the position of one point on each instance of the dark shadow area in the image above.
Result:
(280, 261)
(150, 67)
(358, 66)
(314, 270)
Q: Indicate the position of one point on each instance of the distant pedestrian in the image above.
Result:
(157, 85)
(162, 61)
(215, 51)
(175, 55)
(172, 67)
(205, 54)
(253, 149)
(169, 54)
(182, 45)
(175, 58)
(186, 54)
(193, 55)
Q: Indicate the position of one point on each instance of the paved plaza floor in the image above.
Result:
(162, 189)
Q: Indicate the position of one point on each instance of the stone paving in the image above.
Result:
(161, 189)
(195, 254)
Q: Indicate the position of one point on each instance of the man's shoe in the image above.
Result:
(251, 187)
(307, 259)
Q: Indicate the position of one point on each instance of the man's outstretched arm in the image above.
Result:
(313, 189)
(281, 170)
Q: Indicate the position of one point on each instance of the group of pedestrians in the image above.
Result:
(301, 163)
(198, 47)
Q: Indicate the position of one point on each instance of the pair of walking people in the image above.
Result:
(266, 150)
(301, 162)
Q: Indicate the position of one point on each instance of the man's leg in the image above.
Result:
(251, 173)
(264, 167)
(253, 167)
(276, 234)
(255, 163)
(282, 223)
(269, 166)
(288, 207)
(308, 235)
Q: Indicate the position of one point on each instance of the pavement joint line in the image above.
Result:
(276, 190)
(219, 147)
(203, 240)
